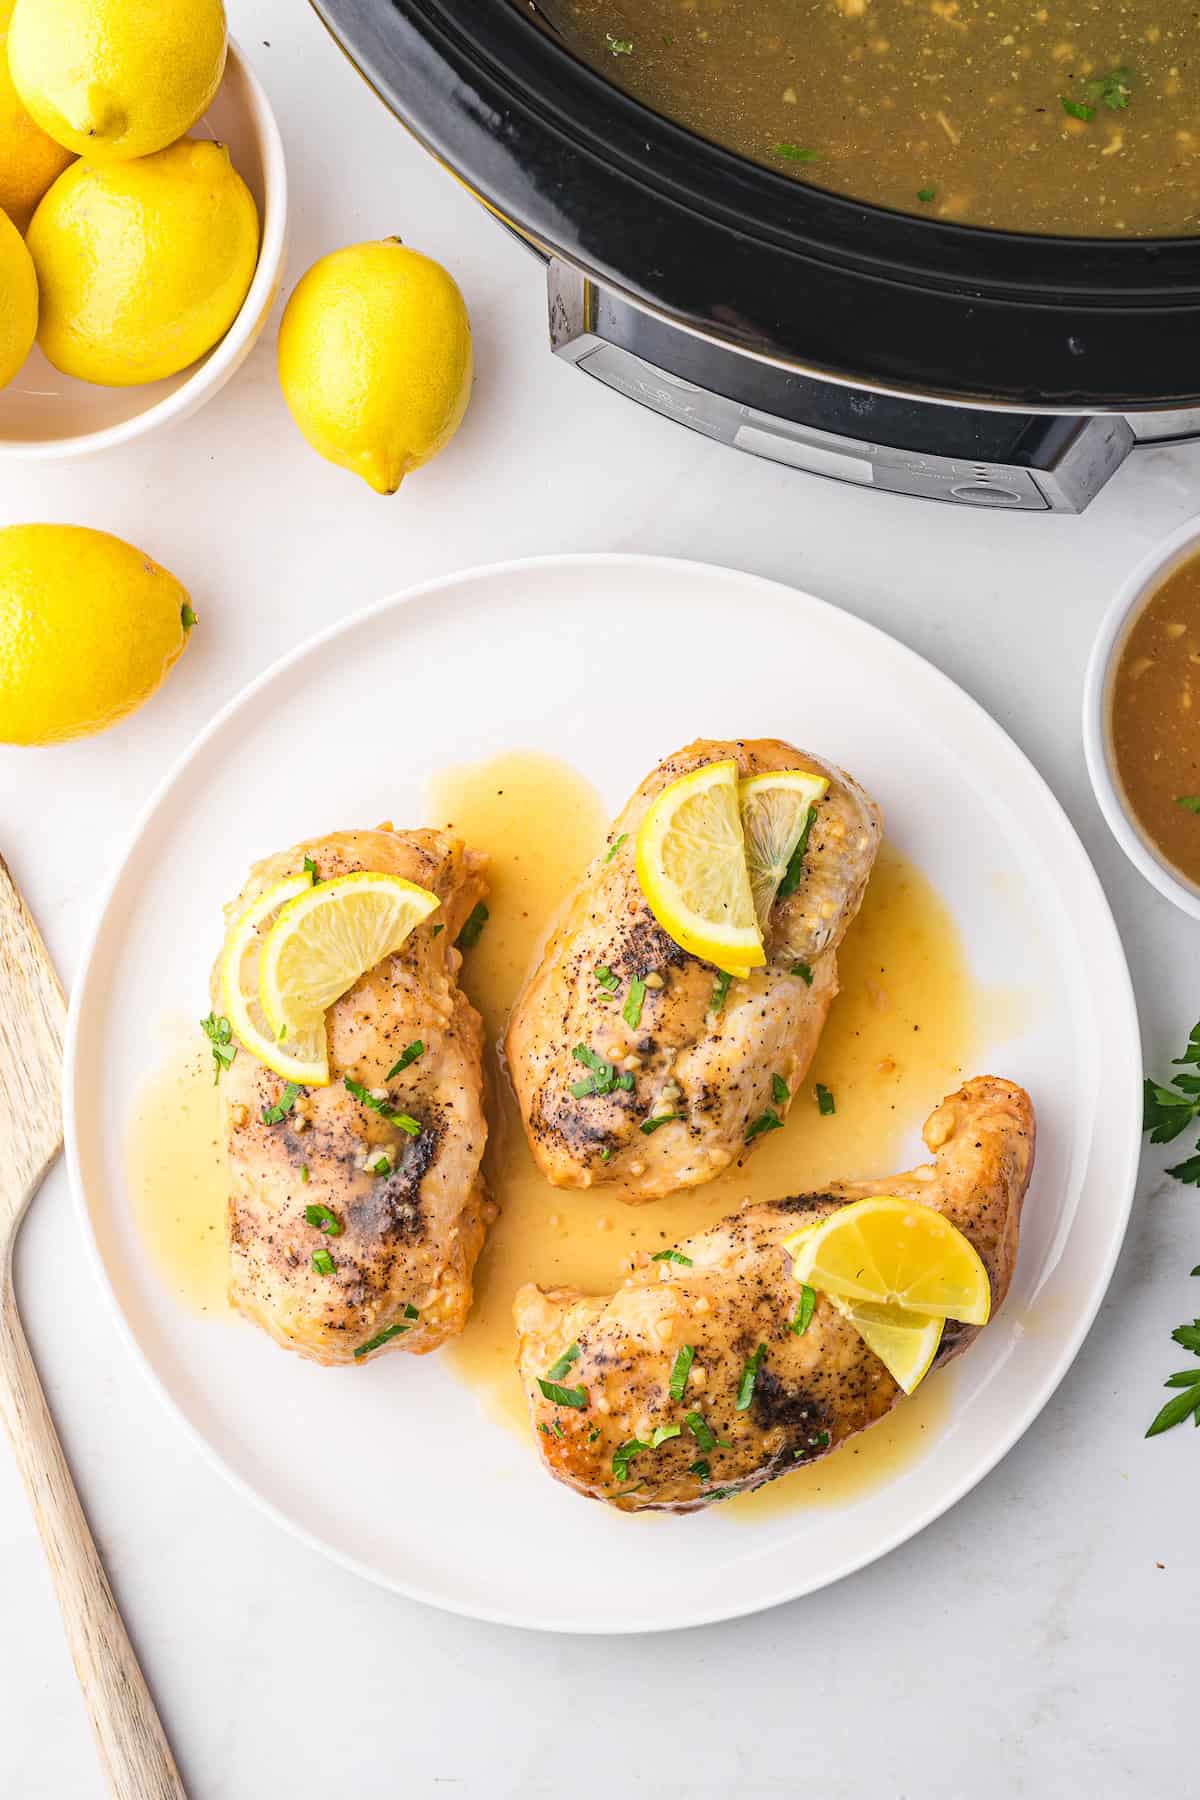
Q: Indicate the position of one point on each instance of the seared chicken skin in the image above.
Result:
(710, 1053)
(408, 1239)
(812, 1391)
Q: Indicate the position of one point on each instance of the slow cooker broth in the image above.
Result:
(949, 108)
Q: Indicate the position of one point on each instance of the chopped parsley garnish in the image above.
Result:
(631, 1012)
(391, 1331)
(779, 1089)
(271, 1115)
(593, 1434)
(699, 1429)
(414, 1053)
(310, 869)
(365, 1097)
(436, 930)
(720, 991)
(767, 1121)
(187, 617)
(304, 1173)
(603, 1078)
(605, 1154)
(1190, 802)
(804, 1311)
(926, 194)
(557, 1429)
(650, 1126)
(322, 1262)
(1076, 109)
(699, 1468)
(323, 1219)
(606, 978)
(818, 1441)
(681, 1368)
(674, 1256)
(382, 1164)
(616, 845)
(219, 1033)
(745, 1393)
(619, 46)
(796, 153)
(472, 931)
(563, 1396)
(791, 879)
(661, 1433)
(825, 1100)
(569, 1356)
(1111, 90)
(804, 972)
(624, 1454)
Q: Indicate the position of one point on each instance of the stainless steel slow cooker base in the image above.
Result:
(995, 457)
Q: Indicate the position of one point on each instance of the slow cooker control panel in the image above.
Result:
(1019, 461)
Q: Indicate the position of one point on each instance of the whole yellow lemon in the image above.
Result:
(113, 79)
(89, 627)
(18, 300)
(142, 266)
(375, 360)
(29, 160)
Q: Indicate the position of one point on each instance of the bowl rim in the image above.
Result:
(1133, 595)
(221, 361)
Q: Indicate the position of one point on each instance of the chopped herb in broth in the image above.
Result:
(1081, 119)
(1155, 720)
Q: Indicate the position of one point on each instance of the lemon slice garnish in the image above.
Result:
(691, 863)
(328, 937)
(905, 1342)
(301, 1056)
(891, 1252)
(776, 808)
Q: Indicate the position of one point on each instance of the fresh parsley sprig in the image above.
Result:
(1185, 1404)
(1169, 1110)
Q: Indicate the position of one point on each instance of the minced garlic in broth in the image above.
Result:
(1155, 718)
(1078, 117)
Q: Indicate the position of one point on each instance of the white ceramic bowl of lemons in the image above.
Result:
(47, 416)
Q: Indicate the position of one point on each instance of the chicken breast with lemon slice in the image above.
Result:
(357, 1209)
(712, 1372)
(638, 1064)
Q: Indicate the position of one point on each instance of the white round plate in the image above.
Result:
(397, 1471)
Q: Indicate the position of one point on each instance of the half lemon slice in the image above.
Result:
(691, 863)
(891, 1252)
(777, 812)
(300, 1056)
(328, 937)
(905, 1342)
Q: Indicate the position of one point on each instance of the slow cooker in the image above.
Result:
(984, 368)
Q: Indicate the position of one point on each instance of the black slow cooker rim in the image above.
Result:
(648, 207)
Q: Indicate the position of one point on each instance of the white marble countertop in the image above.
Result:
(1037, 1639)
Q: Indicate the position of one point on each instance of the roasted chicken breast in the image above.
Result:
(622, 1436)
(402, 1244)
(710, 1053)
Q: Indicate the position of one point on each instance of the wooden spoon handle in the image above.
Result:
(133, 1748)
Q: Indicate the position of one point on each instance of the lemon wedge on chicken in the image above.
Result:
(301, 1056)
(777, 814)
(905, 1342)
(691, 863)
(328, 936)
(885, 1251)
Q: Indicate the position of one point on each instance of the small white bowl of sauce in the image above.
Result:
(1141, 718)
